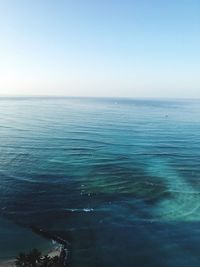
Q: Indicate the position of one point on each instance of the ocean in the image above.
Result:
(120, 178)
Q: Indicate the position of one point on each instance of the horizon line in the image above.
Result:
(100, 97)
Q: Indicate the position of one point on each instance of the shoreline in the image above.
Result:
(11, 262)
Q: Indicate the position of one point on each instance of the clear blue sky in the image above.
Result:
(143, 48)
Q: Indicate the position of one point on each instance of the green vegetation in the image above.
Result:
(35, 259)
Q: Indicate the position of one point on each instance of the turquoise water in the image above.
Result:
(119, 177)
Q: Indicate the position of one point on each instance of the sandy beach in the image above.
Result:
(8, 263)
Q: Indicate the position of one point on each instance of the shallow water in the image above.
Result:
(119, 177)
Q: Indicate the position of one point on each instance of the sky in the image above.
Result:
(106, 48)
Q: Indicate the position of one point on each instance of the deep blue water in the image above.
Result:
(119, 177)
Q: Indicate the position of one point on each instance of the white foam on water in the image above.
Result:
(83, 210)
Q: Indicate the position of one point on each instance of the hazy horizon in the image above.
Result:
(102, 97)
(133, 49)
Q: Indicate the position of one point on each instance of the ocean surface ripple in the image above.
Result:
(120, 177)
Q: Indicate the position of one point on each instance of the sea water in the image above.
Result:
(119, 178)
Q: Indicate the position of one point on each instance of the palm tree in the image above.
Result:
(55, 262)
(21, 260)
(46, 261)
(34, 257)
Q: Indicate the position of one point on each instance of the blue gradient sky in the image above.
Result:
(143, 48)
